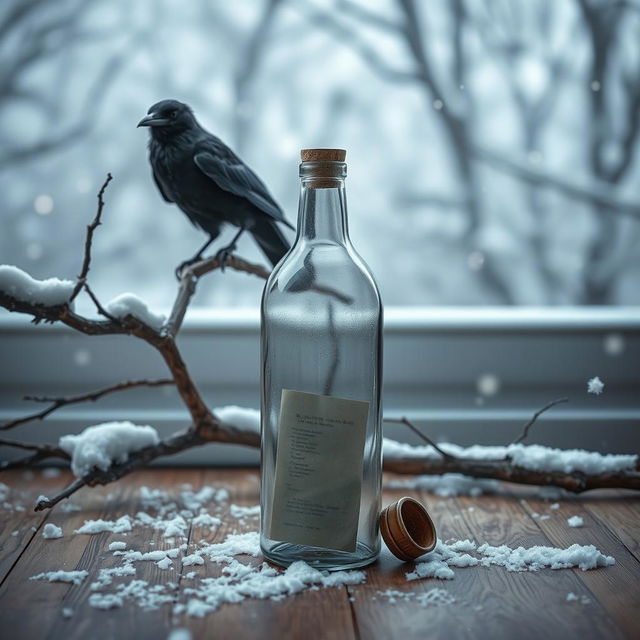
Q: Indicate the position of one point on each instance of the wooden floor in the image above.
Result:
(489, 602)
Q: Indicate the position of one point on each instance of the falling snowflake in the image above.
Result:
(595, 385)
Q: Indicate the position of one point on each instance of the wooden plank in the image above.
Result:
(620, 513)
(31, 608)
(381, 617)
(91, 622)
(616, 588)
(17, 528)
(311, 614)
(529, 604)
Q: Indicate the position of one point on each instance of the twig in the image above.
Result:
(58, 402)
(189, 280)
(86, 263)
(41, 452)
(421, 435)
(47, 503)
(101, 310)
(536, 415)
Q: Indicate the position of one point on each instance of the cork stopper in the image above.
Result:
(407, 529)
(323, 155)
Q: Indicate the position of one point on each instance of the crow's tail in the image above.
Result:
(270, 239)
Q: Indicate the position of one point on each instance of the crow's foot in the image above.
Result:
(224, 255)
(183, 265)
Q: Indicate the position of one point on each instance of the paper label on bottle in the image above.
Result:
(318, 475)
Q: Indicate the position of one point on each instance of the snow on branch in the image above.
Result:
(104, 453)
(18, 284)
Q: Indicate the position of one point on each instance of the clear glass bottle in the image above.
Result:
(321, 377)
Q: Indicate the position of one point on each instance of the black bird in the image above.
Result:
(208, 181)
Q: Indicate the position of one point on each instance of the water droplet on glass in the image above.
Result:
(438, 104)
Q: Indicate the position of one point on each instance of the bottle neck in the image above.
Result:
(322, 215)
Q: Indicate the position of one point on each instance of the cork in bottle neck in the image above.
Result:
(323, 168)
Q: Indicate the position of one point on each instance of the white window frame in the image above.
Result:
(432, 362)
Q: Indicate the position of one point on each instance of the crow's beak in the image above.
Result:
(152, 120)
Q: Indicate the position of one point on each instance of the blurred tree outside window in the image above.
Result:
(492, 144)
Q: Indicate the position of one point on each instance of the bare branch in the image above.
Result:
(536, 415)
(576, 482)
(86, 263)
(369, 17)
(189, 281)
(40, 452)
(368, 53)
(421, 435)
(598, 194)
(47, 503)
(56, 403)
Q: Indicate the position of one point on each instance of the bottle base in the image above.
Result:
(286, 553)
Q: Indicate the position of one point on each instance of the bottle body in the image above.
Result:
(321, 375)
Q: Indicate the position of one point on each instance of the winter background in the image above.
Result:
(492, 144)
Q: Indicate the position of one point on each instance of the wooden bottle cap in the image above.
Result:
(407, 529)
(323, 155)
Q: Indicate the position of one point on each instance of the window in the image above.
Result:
(492, 147)
(493, 167)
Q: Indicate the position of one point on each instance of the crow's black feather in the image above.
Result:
(208, 181)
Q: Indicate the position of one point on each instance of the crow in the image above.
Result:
(207, 180)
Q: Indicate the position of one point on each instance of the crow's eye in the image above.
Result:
(173, 114)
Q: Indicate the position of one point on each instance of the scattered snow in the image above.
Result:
(447, 485)
(595, 386)
(130, 304)
(121, 525)
(20, 285)
(538, 557)
(67, 612)
(104, 444)
(241, 417)
(117, 546)
(51, 531)
(438, 563)
(239, 581)
(238, 511)
(535, 457)
(206, 520)
(554, 506)
(572, 597)
(69, 507)
(105, 601)
(75, 577)
(192, 559)
(433, 597)
(575, 521)
(180, 634)
(194, 500)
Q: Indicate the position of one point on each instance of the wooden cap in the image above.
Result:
(407, 529)
(323, 155)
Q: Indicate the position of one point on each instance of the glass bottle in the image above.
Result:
(321, 377)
